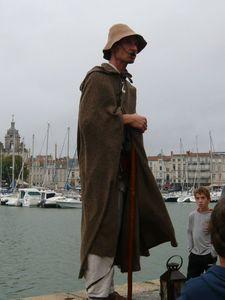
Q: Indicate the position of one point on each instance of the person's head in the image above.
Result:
(123, 43)
(217, 227)
(202, 198)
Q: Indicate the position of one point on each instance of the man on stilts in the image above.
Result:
(108, 129)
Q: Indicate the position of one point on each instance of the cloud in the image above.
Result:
(48, 46)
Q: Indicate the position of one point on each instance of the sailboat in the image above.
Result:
(215, 189)
(68, 202)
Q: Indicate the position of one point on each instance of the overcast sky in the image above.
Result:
(47, 46)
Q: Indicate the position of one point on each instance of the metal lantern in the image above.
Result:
(172, 281)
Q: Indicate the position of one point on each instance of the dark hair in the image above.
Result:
(202, 190)
(217, 227)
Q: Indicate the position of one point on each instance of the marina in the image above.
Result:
(188, 196)
(40, 250)
(32, 197)
(40, 220)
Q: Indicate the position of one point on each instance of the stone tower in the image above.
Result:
(11, 136)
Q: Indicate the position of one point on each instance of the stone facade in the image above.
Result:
(189, 169)
(53, 173)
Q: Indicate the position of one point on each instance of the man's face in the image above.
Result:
(202, 202)
(127, 49)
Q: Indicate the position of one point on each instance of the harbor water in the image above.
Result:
(40, 250)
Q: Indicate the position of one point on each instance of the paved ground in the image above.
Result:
(141, 291)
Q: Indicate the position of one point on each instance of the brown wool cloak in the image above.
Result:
(99, 143)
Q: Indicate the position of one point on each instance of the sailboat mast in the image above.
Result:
(46, 153)
(163, 170)
(182, 166)
(55, 170)
(23, 161)
(1, 168)
(211, 157)
(46, 156)
(32, 162)
(13, 161)
(197, 165)
(68, 149)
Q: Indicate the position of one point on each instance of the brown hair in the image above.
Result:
(202, 190)
(217, 227)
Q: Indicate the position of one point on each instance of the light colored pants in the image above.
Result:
(99, 276)
(100, 270)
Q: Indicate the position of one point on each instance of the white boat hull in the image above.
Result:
(12, 202)
(187, 199)
(31, 202)
(69, 203)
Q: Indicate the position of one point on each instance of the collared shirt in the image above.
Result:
(113, 67)
(123, 80)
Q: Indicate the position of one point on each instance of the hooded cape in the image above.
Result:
(105, 97)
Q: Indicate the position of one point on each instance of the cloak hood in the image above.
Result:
(105, 68)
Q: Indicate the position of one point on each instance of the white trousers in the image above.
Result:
(99, 276)
(100, 270)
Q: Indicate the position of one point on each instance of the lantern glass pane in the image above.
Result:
(177, 288)
(164, 295)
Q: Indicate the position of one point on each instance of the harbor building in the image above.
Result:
(53, 173)
(188, 169)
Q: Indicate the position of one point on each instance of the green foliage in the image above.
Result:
(7, 169)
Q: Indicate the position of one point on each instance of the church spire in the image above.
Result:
(13, 122)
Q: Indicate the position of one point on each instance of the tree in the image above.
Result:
(7, 169)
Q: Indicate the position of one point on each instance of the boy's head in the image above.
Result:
(202, 198)
(217, 227)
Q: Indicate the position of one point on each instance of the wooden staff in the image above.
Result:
(131, 232)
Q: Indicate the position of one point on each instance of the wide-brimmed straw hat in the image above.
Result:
(118, 32)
